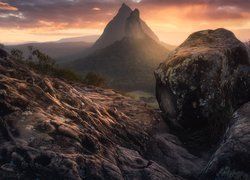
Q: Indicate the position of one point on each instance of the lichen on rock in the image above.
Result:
(197, 84)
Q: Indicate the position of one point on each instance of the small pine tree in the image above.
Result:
(17, 54)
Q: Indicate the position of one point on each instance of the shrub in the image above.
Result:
(67, 74)
(17, 54)
(227, 173)
(94, 79)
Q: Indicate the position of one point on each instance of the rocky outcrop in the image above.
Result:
(52, 129)
(203, 81)
(171, 152)
(232, 159)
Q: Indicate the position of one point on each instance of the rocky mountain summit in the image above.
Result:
(126, 23)
(126, 54)
(54, 129)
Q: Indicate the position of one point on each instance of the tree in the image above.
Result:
(30, 57)
(42, 58)
(17, 54)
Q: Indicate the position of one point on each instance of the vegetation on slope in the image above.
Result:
(44, 64)
(128, 64)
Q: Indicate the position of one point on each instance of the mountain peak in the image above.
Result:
(126, 23)
(133, 25)
(135, 14)
(124, 5)
(124, 9)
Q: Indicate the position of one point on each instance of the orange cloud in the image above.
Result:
(3, 3)
(96, 9)
(173, 24)
(171, 20)
(7, 7)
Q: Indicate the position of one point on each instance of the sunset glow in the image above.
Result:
(171, 20)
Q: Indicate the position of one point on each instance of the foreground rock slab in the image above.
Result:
(52, 129)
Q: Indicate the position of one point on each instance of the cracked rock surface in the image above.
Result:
(52, 129)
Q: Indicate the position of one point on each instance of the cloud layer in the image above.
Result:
(30, 13)
(49, 16)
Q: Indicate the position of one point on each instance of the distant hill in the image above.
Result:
(89, 39)
(61, 51)
(127, 64)
(168, 46)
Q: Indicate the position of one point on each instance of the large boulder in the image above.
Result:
(204, 80)
(232, 158)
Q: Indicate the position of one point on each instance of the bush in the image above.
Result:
(67, 74)
(17, 54)
(227, 173)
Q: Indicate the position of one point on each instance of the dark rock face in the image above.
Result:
(232, 158)
(204, 80)
(170, 151)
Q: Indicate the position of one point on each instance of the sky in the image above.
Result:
(171, 20)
